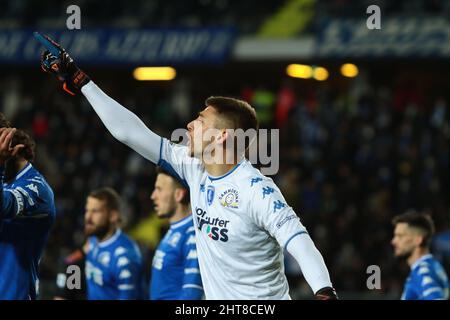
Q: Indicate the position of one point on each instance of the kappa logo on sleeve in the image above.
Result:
(33, 188)
(122, 261)
(174, 239)
(277, 205)
(158, 259)
(104, 258)
(267, 191)
(119, 251)
(255, 180)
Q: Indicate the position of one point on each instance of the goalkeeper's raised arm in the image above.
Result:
(124, 125)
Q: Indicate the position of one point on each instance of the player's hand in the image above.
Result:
(57, 61)
(326, 293)
(6, 152)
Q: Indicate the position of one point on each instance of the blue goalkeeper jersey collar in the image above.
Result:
(180, 223)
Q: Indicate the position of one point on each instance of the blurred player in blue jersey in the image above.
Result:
(175, 271)
(113, 261)
(26, 216)
(441, 249)
(427, 279)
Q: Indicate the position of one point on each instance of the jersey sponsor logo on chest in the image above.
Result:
(215, 228)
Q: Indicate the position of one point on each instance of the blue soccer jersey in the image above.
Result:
(114, 269)
(175, 270)
(426, 281)
(441, 249)
(27, 214)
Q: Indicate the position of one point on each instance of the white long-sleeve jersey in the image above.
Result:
(241, 219)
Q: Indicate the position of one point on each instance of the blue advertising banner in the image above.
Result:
(398, 37)
(122, 46)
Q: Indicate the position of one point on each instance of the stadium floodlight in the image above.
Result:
(349, 70)
(154, 73)
(299, 71)
(320, 73)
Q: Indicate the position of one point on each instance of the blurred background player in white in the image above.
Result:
(242, 220)
(427, 279)
(27, 213)
(175, 272)
(113, 260)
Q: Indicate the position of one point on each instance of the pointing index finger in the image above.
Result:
(48, 43)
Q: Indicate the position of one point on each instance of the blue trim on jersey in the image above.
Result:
(192, 286)
(420, 260)
(170, 170)
(181, 222)
(111, 240)
(292, 237)
(226, 174)
(160, 150)
(23, 171)
(168, 167)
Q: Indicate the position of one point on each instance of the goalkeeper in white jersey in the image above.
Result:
(241, 219)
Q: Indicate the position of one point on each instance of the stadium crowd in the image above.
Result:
(351, 157)
(200, 13)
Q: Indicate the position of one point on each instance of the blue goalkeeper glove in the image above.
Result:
(56, 60)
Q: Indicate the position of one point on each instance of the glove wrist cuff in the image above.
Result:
(76, 82)
(79, 79)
